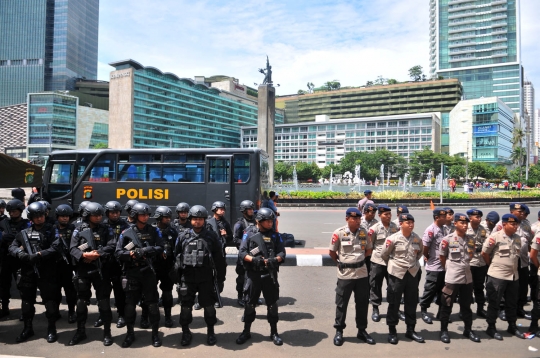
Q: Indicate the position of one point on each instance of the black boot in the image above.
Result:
(156, 341)
(411, 334)
(425, 316)
(211, 336)
(274, 336)
(523, 314)
(502, 315)
(392, 335)
(469, 333)
(445, 337)
(338, 338)
(52, 336)
(168, 319)
(401, 316)
(99, 322)
(80, 334)
(27, 332)
(244, 336)
(512, 329)
(241, 301)
(375, 315)
(121, 323)
(107, 336)
(130, 336)
(364, 336)
(481, 312)
(186, 336)
(492, 332)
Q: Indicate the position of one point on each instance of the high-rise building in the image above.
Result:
(478, 42)
(45, 45)
(531, 127)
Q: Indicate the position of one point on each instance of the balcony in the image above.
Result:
(457, 16)
(464, 50)
(499, 39)
(462, 36)
(461, 8)
(498, 9)
(462, 22)
(498, 2)
(455, 2)
(462, 29)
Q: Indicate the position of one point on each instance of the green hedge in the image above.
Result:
(399, 195)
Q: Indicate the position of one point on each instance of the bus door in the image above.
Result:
(61, 179)
(220, 185)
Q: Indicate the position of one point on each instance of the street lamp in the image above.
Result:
(467, 164)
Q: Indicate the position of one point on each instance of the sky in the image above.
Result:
(306, 40)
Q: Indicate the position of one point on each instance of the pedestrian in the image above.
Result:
(368, 195)
(18, 193)
(401, 253)
(501, 253)
(478, 234)
(200, 265)
(262, 252)
(271, 205)
(456, 251)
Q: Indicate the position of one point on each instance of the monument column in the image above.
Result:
(266, 124)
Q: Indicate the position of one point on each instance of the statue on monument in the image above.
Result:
(267, 73)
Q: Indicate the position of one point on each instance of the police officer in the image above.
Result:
(113, 210)
(401, 253)
(456, 250)
(48, 219)
(448, 226)
(92, 245)
(2, 210)
(262, 252)
(535, 312)
(478, 234)
(182, 222)
(247, 220)
(128, 207)
(368, 220)
(368, 194)
(165, 262)
(349, 247)
(402, 209)
(63, 231)
(10, 265)
(377, 236)
(220, 225)
(501, 253)
(198, 255)
(38, 270)
(140, 279)
(534, 227)
(80, 210)
(492, 218)
(431, 241)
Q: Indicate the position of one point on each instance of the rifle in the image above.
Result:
(136, 243)
(88, 235)
(214, 273)
(29, 249)
(66, 247)
(261, 248)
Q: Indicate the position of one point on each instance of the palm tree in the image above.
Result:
(518, 152)
(518, 157)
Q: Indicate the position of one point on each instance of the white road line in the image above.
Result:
(308, 260)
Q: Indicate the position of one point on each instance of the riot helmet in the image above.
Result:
(198, 211)
(15, 204)
(129, 205)
(112, 206)
(246, 204)
(35, 209)
(139, 209)
(92, 209)
(218, 205)
(63, 210)
(181, 207)
(265, 214)
(162, 212)
(82, 205)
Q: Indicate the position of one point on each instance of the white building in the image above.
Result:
(531, 126)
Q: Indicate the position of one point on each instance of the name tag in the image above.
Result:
(416, 247)
(346, 243)
(267, 239)
(454, 250)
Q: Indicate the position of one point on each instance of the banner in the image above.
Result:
(486, 129)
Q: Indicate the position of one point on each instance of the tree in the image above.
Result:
(479, 169)
(416, 73)
(310, 87)
(392, 81)
(380, 81)
(332, 85)
(500, 172)
(301, 91)
(369, 83)
(283, 170)
(425, 160)
(456, 171)
(100, 146)
(371, 163)
(325, 172)
(306, 171)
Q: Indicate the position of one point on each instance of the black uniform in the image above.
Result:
(65, 267)
(140, 280)
(10, 264)
(42, 241)
(261, 278)
(163, 265)
(239, 230)
(195, 253)
(88, 273)
(179, 226)
(115, 267)
(217, 226)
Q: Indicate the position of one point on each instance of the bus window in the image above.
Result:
(104, 169)
(241, 168)
(60, 181)
(218, 170)
(186, 173)
(139, 172)
(83, 162)
(144, 158)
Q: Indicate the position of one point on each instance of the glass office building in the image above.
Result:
(152, 109)
(45, 45)
(478, 42)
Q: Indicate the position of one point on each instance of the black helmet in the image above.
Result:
(265, 214)
(112, 206)
(63, 210)
(217, 205)
(46, 204)
(246, 204)
(82, 205)
(129, 205)
(198, 211)
(92, 209)
(181, 207)
(163, 212)
(139, 209)
(2, 203)
(35, 209)
(15, 204)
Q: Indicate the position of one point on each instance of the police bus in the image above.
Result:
(158, 177)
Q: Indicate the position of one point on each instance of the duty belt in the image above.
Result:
(342, 265)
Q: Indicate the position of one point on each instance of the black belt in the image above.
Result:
(342, 265)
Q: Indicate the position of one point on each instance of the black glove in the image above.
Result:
(34, 258)
(272, 263)
(257, 262)
(478, 249)
(147, 250)
(220, 286)
(139, 253)
(23, 256)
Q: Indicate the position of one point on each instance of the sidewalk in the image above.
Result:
(5, 193)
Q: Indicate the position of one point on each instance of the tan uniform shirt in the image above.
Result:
(504, 253)
(536, 244)
(448, 229)
(402, 254)
(351, 248)
(396, 221)
(535, 227)
(377, 235)
(368, 224)
(479, 236)
(458, 252)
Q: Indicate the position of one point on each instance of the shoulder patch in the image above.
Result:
(244, 237)
(388, 242)
(444, 243)
(371, 232)
(491, 241)
(430, 234)
(335, 238)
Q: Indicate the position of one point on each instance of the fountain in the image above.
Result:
(438, 182)
(331, 179)
(382, 176)
(428, 180)
(281, 180)
(295, 178)
(357, 176)
(388, 176)
(405, 181)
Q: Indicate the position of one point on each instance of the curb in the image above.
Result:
(295, 260)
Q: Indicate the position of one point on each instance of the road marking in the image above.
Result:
(308, 260)
(327, 232)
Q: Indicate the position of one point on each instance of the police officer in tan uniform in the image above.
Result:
(349, 247)
(368, 220)
(478, 233)
(456, 250)
(492, 218)
(501, 253)
(401, 253)
(535, 312)
(377, 235)
(449, 225)
(402, 209)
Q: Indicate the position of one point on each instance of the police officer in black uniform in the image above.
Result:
(80, 210)
(262, 253)
(48, 219)
(92, 270)
(113, 209)
(63, 231)
(198, 254)
(10, 265)
(246, 221)
(38, 270)
(182, 222)
(2, 210)
(165, 262)
(128, 207)
(220, 225)
(140, 279)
